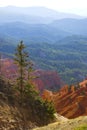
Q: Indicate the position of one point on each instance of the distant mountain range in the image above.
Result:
(50, 33)
(32, 32)
(56, 41)
(34, 15)
(39, 24)
(74, 26)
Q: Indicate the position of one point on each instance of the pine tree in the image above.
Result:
(44, 110)
(21, 59)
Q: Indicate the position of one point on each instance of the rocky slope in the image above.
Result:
(12, 115)
(11, 118)
(70, 101)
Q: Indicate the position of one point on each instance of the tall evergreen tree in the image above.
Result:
(21, 59)
(44, 110)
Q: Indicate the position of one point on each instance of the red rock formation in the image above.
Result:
(70, 102)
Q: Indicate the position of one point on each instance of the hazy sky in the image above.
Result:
(72, 6)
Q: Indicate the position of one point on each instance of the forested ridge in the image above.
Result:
(67, 56)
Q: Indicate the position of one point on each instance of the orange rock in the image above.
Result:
(71, 103)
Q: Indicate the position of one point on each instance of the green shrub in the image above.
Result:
(83, 127)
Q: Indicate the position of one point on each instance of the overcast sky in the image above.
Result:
(71, 6)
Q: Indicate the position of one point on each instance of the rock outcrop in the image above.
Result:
(70, 101)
